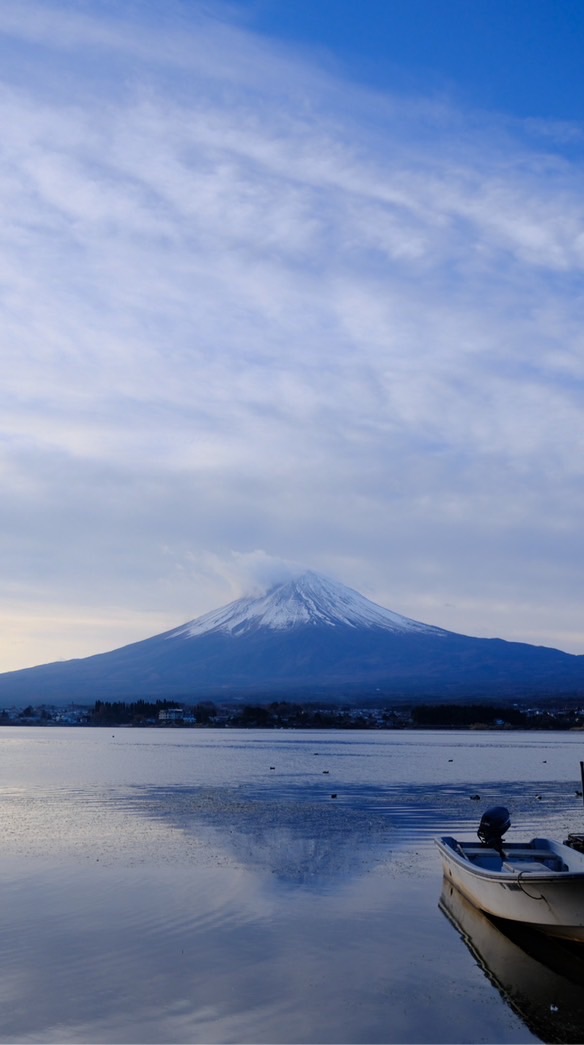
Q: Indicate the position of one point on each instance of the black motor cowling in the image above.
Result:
(494, 822)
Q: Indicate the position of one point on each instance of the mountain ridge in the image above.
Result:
(307, 638)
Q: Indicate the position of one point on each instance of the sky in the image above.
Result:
(284, 286)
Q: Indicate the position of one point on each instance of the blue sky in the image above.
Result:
(521, 57)
(290, 283)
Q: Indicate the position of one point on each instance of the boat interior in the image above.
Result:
(531, 857)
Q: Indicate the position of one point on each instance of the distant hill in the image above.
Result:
(308, 638)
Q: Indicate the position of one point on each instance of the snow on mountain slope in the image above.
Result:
(309, 599)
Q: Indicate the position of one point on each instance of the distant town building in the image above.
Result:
(171, 715)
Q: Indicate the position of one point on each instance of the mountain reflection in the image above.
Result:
(296, 855)
(301, 842)
(539, 977)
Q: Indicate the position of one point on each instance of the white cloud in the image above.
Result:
(246, 305)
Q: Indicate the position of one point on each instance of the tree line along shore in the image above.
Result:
(301, 715)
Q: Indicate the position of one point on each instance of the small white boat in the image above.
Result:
(539, 883)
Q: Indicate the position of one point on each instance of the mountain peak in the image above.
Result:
(309, 599)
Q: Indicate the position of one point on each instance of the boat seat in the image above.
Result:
(513, 854)
(550, 860)
(476, 847)
(532, 866)
(531, 854)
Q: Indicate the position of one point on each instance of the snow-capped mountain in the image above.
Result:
(310, 599)
(306, 639)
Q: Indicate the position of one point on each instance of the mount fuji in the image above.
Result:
(306, 638)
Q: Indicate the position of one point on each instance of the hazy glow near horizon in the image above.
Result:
(265, 302)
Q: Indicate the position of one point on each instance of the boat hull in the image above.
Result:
(550, 901)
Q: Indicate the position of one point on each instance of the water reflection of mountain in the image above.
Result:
(308, 845)
(540, 978)
(301, 842)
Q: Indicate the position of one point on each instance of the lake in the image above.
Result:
(215, 886)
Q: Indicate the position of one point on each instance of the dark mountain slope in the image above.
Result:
(307, 638)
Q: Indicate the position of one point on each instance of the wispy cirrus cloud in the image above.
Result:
(248, 305)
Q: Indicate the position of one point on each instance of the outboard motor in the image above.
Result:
(494, 822)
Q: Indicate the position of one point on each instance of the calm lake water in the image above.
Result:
(190, 886)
